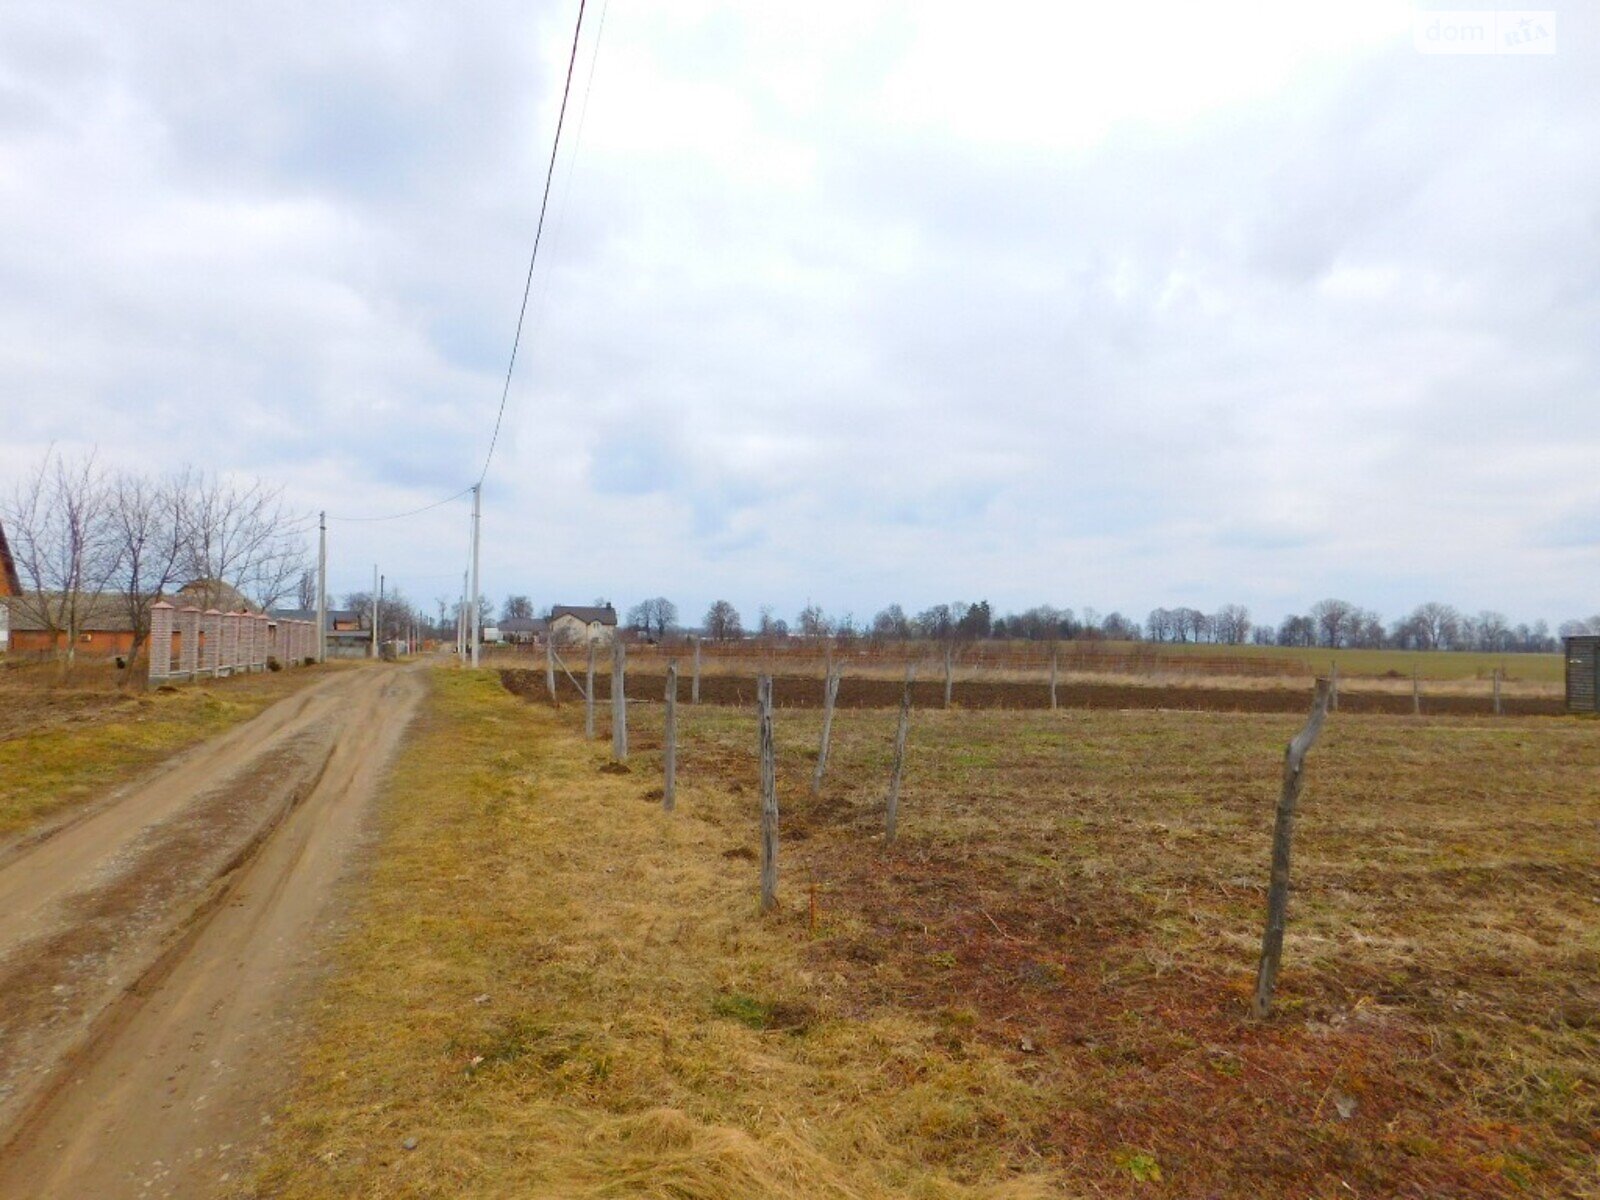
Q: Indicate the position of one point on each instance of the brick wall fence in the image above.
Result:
(186, 643)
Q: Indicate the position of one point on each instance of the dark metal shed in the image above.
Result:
(1583, 673)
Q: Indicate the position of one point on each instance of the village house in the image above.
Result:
(523, 631)
(580, 623)
(9, 586)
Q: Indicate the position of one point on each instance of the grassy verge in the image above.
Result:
(63, 745)
(557, 990)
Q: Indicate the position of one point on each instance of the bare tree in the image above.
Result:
(306, 590)
(1231, 624)
(1334, 620)
(516, 607)
(62, 545)
(892, 622)
(722, 622)
(1159, 624)
(244, 537)
(663, 614)
(812, 622)
(1437, 626)
(148, 521)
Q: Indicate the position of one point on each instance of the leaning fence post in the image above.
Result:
(669, 758)
(949, 671)
(769, 795)
(694, 685)
(830, 693)
(1282, 835)
(550, 669)
(588, 697)
(1054, 657)
(619, 701)
(892, 809)
(1333, 695)
(1497, 691)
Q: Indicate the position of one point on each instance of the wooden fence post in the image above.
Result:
(1333, 694)
(892, 809)
(1294, 759)
(949, 671)
(1416, 694)
(550, 668)
(619, 701)
(830, 693)
(669, 788)
(694, 686)
(1054, 657)
(769, 795)
(1497, 691)
(588, 697)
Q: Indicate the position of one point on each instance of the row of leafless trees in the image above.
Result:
(1431, 626)
(86, 538)
(1329, 623)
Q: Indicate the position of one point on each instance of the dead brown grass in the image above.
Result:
(64, 743)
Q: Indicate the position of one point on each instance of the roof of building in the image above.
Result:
(103, 614)
(588, 614)
(213, 593)
(310, 614)
(522, 625)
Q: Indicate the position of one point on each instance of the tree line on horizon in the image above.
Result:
(1328, 624)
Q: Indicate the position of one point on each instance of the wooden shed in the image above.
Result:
(1583, 673)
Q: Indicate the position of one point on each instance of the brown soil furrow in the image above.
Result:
(802, 691)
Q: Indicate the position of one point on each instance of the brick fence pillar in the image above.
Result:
(211, 642)
(160, 648)
(188, 641)
(258, 641)
(229, 656)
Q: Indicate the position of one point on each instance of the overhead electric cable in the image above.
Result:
(415, 511)
(538, 232)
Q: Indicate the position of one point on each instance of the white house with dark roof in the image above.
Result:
(582, 623)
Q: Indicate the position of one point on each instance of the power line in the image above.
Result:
(559, 228)
(414, 512)
(544, 205)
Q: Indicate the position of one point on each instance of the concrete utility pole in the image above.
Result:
(374, 610)
(322, 587)
(477, 526)
(382, 579)
(461, 622)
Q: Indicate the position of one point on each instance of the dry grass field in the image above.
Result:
(552, 988)
(63, 742)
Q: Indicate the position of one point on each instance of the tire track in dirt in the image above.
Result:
(147, 991)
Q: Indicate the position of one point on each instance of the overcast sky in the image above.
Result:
(845, 302)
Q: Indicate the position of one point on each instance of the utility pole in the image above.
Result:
(461, 622)
(477, 526)
(374, 612)
(382, 579)
(322, 587)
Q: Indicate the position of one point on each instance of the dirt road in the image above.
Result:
(154, 951)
